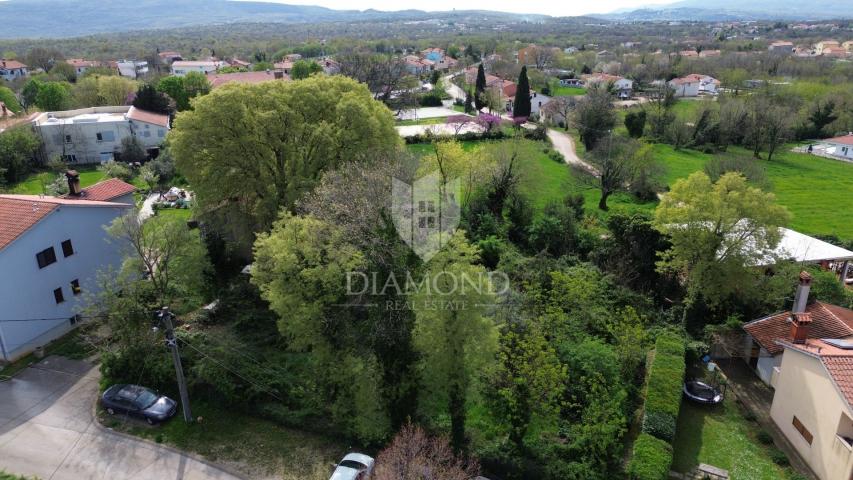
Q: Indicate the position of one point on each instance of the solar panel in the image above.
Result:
(839, 343)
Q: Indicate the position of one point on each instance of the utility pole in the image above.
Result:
(166, 317)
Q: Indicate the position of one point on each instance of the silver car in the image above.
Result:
(354, 466)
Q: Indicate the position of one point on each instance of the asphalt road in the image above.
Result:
(47, 430)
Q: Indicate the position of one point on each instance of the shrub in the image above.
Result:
(431, 99)
(660, 425)
(664, 386)
(764, 437)
(651, 459)
(779, 457)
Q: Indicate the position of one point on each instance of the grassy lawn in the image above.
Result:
(722, 437)
(542, 179)
(89, 175)
(249, 444)
(816, 190)
(182, 213)
(422, 121)
(35, 182)
(9, 476)
(559, 91)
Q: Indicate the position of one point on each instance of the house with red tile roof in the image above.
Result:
(219, 79)
(51, 252)
(813, 403)
(762, 349)
(840, 146)
(12, 70)
(80, 65)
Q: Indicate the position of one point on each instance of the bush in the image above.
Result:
(660, 425)
(779, 457)
(764, 437)
(664, 386)
(431, 99)
(651, 459)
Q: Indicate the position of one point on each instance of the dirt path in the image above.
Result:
(565, 144)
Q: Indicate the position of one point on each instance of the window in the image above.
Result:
(99, 136)
(107, 157)
(71, 158)
(67, 248)
(46, 257)
(106, 136)
(798, 425)
(57, 295)
(75, 287)
(74, 319)
(68, 139)
(146, 133)
(161, 133)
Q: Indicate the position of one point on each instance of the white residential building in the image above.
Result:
(841, 147)
(81, 65)
(132, 68)
(183, 67)
(94, 135)
(12, 69)
(51, 250)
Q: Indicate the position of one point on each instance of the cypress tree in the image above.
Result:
(480, 89)
(521, 105)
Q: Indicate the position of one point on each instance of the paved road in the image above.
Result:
(565, 144)
(47, 430)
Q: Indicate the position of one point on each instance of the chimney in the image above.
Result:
(800, 327)
(801, 298)
(73, 183)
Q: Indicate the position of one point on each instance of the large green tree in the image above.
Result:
(594, 116)
(253, 149)
(521, 105)
(452, 332)
(53, 96)
(7, 96)
(17, 149)
(480, 89)
(303, 69)
(718, 233)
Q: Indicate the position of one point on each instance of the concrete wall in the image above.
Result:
(690, 89)
(766, 364)
(805, 389)
(26, 292)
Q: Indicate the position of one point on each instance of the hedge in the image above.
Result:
(651, 460)
(664, 386)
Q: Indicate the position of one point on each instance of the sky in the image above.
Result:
(557, 8)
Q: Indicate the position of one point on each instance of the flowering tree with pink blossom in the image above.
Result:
(458, 122)
(488, 121)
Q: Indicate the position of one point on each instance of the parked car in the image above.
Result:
(139, 402)
(354, 466)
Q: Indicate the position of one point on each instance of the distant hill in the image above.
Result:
(721, 10)
(72, 18)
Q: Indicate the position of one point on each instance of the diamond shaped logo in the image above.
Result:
(425, 213)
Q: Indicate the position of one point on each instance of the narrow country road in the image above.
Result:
(47, 430)
(565, 144)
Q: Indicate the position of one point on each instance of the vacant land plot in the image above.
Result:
(722, 437)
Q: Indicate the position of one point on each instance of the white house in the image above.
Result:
(94, 135)
(840, 146)
(685, 86)
(623, 86)
(762, 349)
(12, 69)
(81, 65)
(51, 250)
(813, 404)
(183, 67)
(132, 68)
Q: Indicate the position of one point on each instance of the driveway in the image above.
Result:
(565, 144)
(47, 430)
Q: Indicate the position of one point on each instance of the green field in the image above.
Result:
(542, 179)
(558, 91)
(422, 121)
(816, 190)
(722, 437)
(35, 183)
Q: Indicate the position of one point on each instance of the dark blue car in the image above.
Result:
(139, 402)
